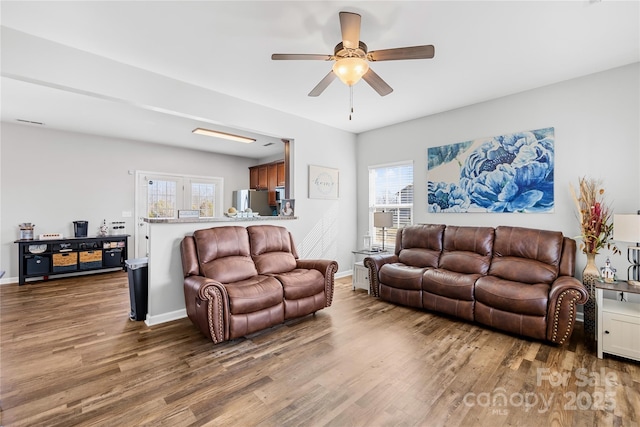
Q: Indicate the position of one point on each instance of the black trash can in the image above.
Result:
(80, 228)
(138, 272)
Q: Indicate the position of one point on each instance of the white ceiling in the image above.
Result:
(484, 50)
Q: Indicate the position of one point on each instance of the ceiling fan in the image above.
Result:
(352, 58)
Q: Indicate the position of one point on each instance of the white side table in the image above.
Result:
(618, 325)
(360, 277)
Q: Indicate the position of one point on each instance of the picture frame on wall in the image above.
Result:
(323, 182)
(286, 207)
(508, 173)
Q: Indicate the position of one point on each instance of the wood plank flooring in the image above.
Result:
(70, 356)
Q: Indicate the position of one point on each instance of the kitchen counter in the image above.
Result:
(219, 219)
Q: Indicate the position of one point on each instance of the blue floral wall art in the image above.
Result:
(506, 173)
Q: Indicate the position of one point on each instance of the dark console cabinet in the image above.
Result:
(44, 258)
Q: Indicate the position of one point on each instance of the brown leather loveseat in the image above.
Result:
(515, 279)
(241, 280)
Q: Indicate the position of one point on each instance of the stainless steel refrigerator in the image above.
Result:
(257, 200)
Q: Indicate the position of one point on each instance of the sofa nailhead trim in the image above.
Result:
(373, 278)
(556, 319)
(328, 289)
(215, 295)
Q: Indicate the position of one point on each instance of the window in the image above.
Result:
(161, 195)
(203, 198)
(161, 198)
(390, 190)
(166, 194)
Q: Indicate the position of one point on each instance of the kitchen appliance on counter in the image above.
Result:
(256, 200)
(80, 228)
(26, 231)
(280, 194)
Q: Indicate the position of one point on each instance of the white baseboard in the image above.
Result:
(165, 317)
(8, 280)
(342, 274)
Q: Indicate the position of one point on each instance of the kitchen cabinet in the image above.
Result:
(253, 178)
(48, 257)
(272, 182)
(267, 177)
(262, 177)
(281, 181)
(258, 177)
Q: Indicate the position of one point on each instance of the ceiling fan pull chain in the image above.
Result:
(350, 101)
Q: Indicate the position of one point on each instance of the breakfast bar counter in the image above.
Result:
(220, 219)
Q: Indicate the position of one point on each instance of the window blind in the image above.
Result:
(390, 190)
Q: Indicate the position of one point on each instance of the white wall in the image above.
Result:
(596, 121)
(51, 178)
(325, 229)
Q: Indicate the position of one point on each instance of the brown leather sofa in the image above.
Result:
(515, 279)
(241, 280)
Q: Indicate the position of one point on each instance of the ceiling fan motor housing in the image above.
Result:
(344, 52)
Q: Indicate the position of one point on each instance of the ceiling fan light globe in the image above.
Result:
(350, 70)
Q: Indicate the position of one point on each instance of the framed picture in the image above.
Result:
(323, 182)
(287, 207)
(510, 173)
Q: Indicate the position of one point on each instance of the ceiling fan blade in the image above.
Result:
(324, 83)
(376, 82)
(412, 52)
(350, 26)
(280, 56)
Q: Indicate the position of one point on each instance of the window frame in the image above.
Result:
(375, 206)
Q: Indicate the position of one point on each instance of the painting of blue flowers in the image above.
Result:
(506, 173)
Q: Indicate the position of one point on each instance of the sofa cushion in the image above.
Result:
(301, 283)
(274, 262)
(254, 294)
(517, 323)
(271, 249)
(301, 307)
(514, 297)
(526, 255)
(467, 249)
(449, 283)
(420, 245)
(224, 254)
(452, 306)
(409, 298)
(248, 323)
(400, 276)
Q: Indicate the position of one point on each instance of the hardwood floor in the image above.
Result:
(70, 356)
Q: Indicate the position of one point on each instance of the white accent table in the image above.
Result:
(360, 276)
(618, 325)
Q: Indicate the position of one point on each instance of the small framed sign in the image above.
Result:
(323, 182)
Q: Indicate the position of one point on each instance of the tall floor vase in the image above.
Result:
(590, 275)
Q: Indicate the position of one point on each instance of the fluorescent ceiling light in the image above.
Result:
(216, 134)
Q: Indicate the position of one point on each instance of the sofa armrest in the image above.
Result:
(374, 264)
(207, 305)
(565, 294)
(328, 270)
